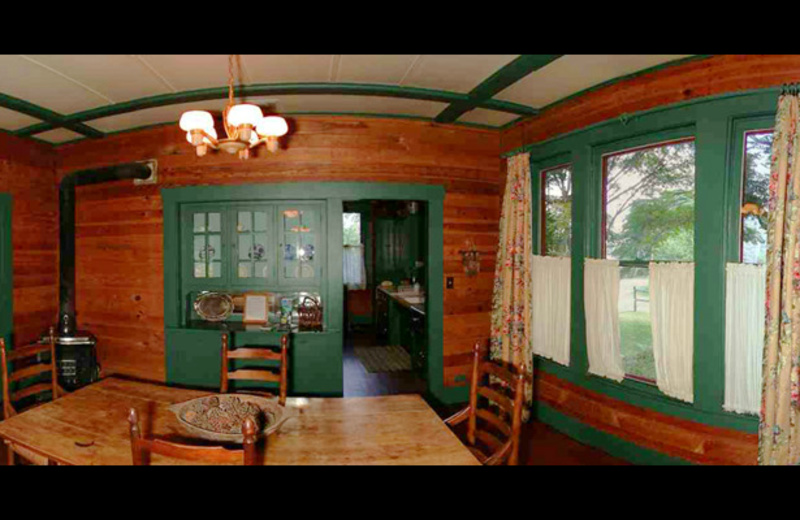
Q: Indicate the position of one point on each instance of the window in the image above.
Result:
(557, 211)
(648, 216)
(354, 269)
(755, 196)
(352, 228)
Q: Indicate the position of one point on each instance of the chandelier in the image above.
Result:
(245, 125)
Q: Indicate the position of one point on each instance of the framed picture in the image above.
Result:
(256, 307)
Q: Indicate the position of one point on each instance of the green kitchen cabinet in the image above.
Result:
(302, 253)
(194, 358)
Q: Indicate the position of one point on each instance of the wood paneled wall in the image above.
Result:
(120, 227)
(28, 173)
(672, 436)
(702, 77)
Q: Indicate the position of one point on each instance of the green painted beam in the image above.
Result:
(52, 119)
(278, 89)
(500, 80)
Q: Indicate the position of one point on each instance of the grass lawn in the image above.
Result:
(636, 340)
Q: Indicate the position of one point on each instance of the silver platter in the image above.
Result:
(213, 306)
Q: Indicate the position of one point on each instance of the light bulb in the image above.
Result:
(197, 120)
(211, 131)
(244, 114)
(272, 126)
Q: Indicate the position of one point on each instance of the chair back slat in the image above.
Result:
(277, 374)
(494, 420)
(25, 352)
(264, 376)
(254, 353)
(28, 372)
(27, 356)
(142, 449)
(496, 397)
(495, 408)
(38, 388)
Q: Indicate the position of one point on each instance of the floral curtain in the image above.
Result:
(779, 439)
(511, 300)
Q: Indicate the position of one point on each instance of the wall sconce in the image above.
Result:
(471, 258)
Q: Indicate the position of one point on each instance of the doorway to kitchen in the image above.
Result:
(384, 257)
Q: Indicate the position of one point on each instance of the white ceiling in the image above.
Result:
(67, 84)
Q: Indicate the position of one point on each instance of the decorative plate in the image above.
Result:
(213, 306)
(220, 417)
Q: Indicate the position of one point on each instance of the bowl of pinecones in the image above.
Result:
(220, 417)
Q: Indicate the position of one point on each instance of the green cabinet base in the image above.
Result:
(193, 360)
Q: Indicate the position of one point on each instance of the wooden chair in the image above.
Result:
(28, 365)
(263, 374)
(494, 411)
(142, 448)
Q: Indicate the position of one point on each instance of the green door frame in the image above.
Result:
(334, 193)
(6, 271)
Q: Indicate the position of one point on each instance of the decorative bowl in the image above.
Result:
(220, 417)
(213, 306)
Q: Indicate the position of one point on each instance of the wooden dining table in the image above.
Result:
(90, 427)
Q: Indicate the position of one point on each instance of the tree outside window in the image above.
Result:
(648, 216)
(557, 211)
(755, 196)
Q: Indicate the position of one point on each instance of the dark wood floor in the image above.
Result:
(541, 444)
(360, 383)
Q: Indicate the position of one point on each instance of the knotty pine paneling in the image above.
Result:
(28, 173)
(703, 77)
(120, 227)
(670, 435)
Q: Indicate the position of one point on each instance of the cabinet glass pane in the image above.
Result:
(244, 270)
(259, 251)
(245, 246)
(199, 223)
(200, 248)
(260, 221)
(244, 224)
(291, 219)
(215, 222)
(261, 270)
(200, 270)
(215, 270)
(215, 248)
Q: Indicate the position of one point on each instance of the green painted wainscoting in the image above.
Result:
(717, 124)
(193, 357)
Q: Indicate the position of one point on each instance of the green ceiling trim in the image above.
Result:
(52, 118)
(350, 89)
(497, 82)
(477, 126)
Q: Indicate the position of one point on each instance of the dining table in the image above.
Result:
(90, 427)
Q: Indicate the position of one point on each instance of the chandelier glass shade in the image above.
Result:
(245, 126)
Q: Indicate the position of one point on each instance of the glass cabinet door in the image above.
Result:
(207, 257)
(301, 255)
(255, 245)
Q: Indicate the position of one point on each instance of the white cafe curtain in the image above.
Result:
(355, 272)
(601, 302)
(672, 318)
(745, 289)
(550, 307)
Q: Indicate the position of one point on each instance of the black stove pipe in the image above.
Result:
(66, 199)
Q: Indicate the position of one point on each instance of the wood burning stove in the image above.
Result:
(75, 350)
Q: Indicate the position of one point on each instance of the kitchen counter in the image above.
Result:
(410, 300)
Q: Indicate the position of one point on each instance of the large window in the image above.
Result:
(648, 216)
(557, 211)
(755, 196)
